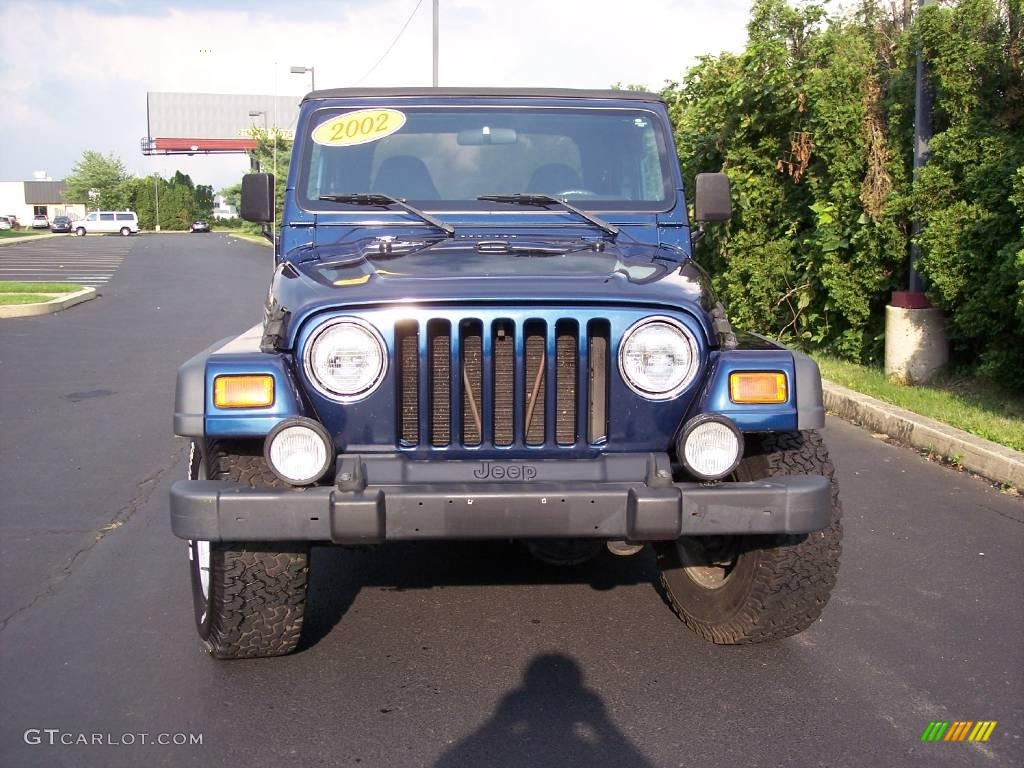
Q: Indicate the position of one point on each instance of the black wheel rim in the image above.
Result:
(708, 561)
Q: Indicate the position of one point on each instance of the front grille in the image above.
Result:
(499, 383)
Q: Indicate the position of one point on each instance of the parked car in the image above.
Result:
(40, 222)
(123, 222)
(61, 224)
(490, 326)
(5, 223)
(200, 226)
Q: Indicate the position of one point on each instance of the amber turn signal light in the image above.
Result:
(243, 391)
(760, 387)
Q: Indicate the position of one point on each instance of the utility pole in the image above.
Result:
(304, 70)
(922, 136)
(436, 15)
(254, 163)
(273, 221)
(156, 194)
(915, 332)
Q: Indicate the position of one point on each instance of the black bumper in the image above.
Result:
(651, 508)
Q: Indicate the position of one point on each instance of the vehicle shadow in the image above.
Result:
(551, 719)
(337, 574)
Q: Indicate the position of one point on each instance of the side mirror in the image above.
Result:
(711, 198)
(258, 197)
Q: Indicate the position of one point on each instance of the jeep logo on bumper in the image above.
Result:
(493, 471)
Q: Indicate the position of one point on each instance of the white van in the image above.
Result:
(125, 222)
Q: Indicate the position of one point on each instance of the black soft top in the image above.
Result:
(540, 93)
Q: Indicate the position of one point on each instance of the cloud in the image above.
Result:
(81, 83)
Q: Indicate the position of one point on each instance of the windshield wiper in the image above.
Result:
(374, 198)
(546, 200)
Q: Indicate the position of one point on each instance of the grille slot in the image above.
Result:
(535, 383)
(504, 381)
(439, 334)
(450, 394)
(407, 341)
(566, 353)
(598, 335)
(472, 382)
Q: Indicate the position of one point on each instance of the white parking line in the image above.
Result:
(74, 260)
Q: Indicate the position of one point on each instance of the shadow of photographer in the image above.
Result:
(337, 575)
(551, 719)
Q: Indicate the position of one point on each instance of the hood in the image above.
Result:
(470, 269)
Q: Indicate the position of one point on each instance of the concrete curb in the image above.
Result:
(49, 307)
(983, 457)
(33, 238)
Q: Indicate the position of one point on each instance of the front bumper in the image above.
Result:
(651, 508)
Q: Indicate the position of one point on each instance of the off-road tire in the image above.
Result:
(778, 584)
(257, 590)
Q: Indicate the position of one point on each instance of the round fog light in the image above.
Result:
(710, 447)
(299, 451)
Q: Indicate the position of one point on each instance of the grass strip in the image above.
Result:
(8, 286)
(974, 405)
(6, 299)
(6, 233)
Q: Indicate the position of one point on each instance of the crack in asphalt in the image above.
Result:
(143, 490)
(1003, 514)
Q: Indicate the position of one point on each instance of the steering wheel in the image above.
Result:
(576, 193)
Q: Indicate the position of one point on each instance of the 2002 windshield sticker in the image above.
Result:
(359, 127)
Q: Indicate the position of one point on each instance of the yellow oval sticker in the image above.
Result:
(359, 127)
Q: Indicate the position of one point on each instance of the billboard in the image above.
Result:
(198, 123)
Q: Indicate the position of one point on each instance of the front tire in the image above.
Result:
(249, 597)
(80, 232)
(752, 589)
(125, 231)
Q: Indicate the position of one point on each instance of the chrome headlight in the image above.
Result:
(658, 358)
(346, 359)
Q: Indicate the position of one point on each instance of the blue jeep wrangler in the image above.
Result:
(485, 323)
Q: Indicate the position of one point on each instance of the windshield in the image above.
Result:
(446, 157)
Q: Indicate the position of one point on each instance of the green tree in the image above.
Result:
(264, 158)
(204, 201)
(969, 195)
(232, 195)
(178, 203)
(99, 181)
(813, 124)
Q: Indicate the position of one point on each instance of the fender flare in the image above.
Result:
(190, 393)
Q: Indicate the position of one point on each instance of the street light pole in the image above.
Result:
(156, 194)
(915, 332)
(436, 24)
(304, 70)
(922, 136)
(257, 113)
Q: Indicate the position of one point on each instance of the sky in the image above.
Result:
(74, 76)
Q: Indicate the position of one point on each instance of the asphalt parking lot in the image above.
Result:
(450, 654)
(90, 260)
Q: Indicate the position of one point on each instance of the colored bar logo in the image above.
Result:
(959, 730)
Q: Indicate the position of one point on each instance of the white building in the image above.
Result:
(221, 210)
(26, 199)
